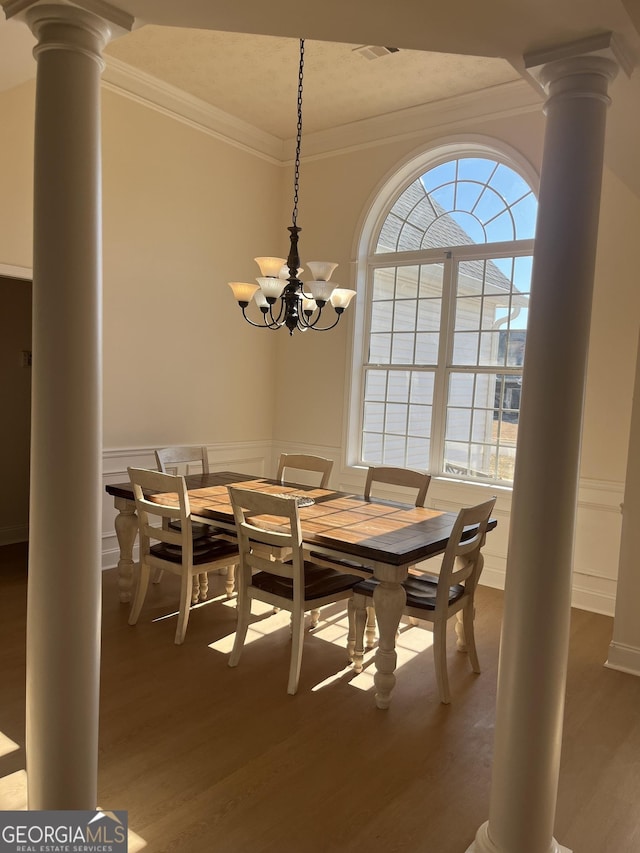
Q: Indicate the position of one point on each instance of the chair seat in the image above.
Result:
(343, 565)
(421, 591)
(204, 551)
(318, 583)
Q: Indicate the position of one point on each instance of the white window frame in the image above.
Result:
(366, 260)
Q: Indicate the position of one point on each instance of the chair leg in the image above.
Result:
(231, 581)
(296, 651)
(141, 591)
(186, 587)
(356, 653)
(468, 615)
(244, 612)
(195, 589)
(371, 626)
(157, 576)
(440, 659)
(314, 618)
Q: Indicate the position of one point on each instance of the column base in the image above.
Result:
(483, 844)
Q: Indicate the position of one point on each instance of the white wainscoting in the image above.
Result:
(244, 457)
(598, 527)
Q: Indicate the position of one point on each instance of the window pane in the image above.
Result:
(465, 348)
(525, 213)
(458, 424)
(402, 348)
(384, 283)
(374, 417)
(429, 315)
(381, 316)
(375, 385)
(372, 447)
(461, 389)
(468, 312)
(431, 280)
(490, 350)
(470, 278)
(396, 419)
(394, 450)
(422, 387)
(427, 348)
(418, 450)
(420, 421)
(407, 283)
(404, 317)
(380, 349)
(398, 386)
(439, 175)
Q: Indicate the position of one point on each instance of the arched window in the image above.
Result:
(446, 306)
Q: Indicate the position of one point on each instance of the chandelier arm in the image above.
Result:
(264, 325)
(325, 328)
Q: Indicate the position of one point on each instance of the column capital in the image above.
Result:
(96, 17)
(581, 69)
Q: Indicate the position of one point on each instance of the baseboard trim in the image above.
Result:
(624, 658)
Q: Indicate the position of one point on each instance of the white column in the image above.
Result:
(64, 590)
(624, 651)
(535, 631)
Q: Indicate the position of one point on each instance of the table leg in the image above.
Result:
(389, 600)
(126, 525)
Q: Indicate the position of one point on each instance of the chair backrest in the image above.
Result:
(175, 506)
(303, 462)
(178, 460)
(463, 561)
(398, 477)
(272, 520)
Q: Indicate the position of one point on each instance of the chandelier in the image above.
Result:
(281, 296)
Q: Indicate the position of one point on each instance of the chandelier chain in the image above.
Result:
(296, 174)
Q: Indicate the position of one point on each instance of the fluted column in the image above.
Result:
(64, 590)
(535, 631)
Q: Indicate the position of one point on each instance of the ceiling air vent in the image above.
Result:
(372, 51)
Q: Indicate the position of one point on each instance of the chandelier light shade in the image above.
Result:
(283, 299)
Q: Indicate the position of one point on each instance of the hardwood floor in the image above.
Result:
(208, 758)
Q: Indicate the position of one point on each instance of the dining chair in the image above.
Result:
(307, 463)
(294, 584)
(175, 550)
(186, 459)
(436, 599)
(407, 478)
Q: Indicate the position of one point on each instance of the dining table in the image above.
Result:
(387, 536)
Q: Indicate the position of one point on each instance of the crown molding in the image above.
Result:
(506, 99)
(194, 112)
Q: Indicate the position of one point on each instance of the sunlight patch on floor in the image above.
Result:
(257, 630)
(221, 599)
(7, 745)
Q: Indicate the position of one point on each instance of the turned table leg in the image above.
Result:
(389, 599)
(126, 525)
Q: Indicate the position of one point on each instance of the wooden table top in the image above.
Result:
(374, 530)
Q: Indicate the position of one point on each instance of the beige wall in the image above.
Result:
(183, 215)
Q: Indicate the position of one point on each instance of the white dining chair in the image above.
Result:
(436, 599)
(294, 584)
(175, 549)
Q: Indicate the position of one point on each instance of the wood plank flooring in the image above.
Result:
(208, 759)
